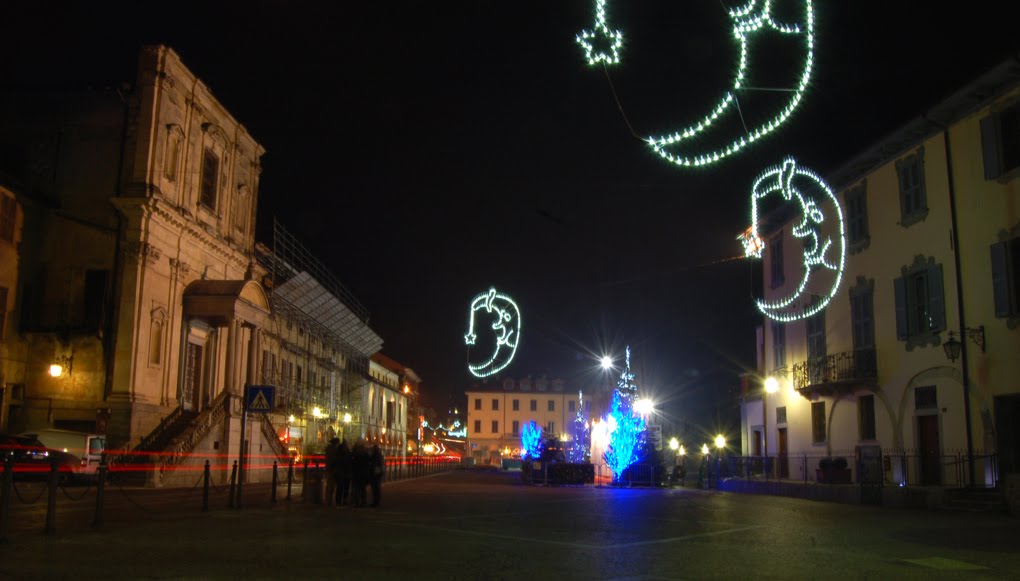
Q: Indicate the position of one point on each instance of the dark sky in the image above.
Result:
(427, 150)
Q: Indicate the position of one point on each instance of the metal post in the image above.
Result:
(205, 487)
(100, 492)
(304, 481)
(272, 498)
(5, 497)
(240, 455)
(233, 484)
(51, 501)
(290, 477)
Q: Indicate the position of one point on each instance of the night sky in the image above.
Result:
(427, 150)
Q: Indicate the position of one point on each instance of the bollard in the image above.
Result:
(5, 497)
(290, 477)
(205, 487)
(51, 501)
(304, 481)
(233, 479)
(100, 492)
(272, 498)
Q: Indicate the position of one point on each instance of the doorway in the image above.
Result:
(1007, 433)
(930, 449)
(192, 383)
(782, 452)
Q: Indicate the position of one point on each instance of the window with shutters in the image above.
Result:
(818, 422)
(817, 352)
(1006, 278)
(478, 403)
(862, 313)
(534, 405)
(913, 199)
(920, 303)
(1000, 143)
(781, 415)
(516, 405)
(516, 428)
(571, 406)
(495, 426)
(495, 404)
(552, 405)
(778, 345)
(478, 426)
(857, 235)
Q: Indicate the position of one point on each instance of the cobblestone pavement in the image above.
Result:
(486, 525)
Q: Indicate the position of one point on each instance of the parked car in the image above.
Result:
(32, 460)
(87, 449)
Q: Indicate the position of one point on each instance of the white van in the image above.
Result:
(87, 448)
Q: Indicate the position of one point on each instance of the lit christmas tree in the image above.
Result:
(531, 441)
(580, 449)
(626, 428)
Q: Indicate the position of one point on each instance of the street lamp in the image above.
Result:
(720, 443)
(674, 444)
(644, 406)
(607, 362)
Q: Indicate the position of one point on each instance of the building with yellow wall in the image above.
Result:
(916, 357)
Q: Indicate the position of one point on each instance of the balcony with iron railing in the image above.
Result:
(836, 373)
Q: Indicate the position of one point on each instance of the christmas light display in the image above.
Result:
(625, 428)
(580, 447)
(506, 325)
(748, 20)
(817, 246)
(600, 34)
(531, 441)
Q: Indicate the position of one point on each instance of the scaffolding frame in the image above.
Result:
(305, 293)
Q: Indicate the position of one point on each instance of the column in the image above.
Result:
(254, 337)
(230, 371)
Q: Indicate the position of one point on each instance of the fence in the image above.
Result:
(882, 468)
(27, 497)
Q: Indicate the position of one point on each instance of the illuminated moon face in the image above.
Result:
(823, 259)
(687, 147)
(506, 323)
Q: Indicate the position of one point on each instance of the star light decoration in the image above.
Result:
(603, 35)
(749, 18)
(507, 326)
(780, 178)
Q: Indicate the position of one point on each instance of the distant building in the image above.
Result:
(916, 358)
(11, 366)
(497, 410)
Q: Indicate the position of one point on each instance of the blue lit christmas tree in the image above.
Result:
(531, 441)
(626, 427)
(580, 448)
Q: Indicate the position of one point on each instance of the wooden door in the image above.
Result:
(930, 449)
(784, 465)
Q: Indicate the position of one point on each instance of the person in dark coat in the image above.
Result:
(361, 469)
(378, 464)
(330, 470)
(343, 474)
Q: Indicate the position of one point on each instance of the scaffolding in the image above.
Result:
(334, 328)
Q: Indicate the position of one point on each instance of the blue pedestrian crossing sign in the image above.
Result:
(260, 398)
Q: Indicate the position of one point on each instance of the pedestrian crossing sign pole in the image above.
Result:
(258, 399)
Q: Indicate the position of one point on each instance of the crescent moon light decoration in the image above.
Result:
(748, 19)
(506, 324)
(818, 246)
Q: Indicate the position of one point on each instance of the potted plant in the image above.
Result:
(833, 471)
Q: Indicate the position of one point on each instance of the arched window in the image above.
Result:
(157, 326)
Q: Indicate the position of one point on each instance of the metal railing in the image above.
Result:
(846, 366)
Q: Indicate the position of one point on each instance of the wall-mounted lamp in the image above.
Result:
(61, 365)
(953, 347)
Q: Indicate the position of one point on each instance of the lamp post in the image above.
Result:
(720, 443)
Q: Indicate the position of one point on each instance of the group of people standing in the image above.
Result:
(349, 471)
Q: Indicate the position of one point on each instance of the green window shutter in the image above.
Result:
(990, 146)
(936, 299)
(900, 291)
(1000, 279)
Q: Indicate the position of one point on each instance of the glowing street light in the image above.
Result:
(644, 406)
(682, 452)
(720, 441)
(607, 362)
(56, 370)
(771, 385)
(316, 412)
(347, 418)
(704, 448)
(674, 444)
